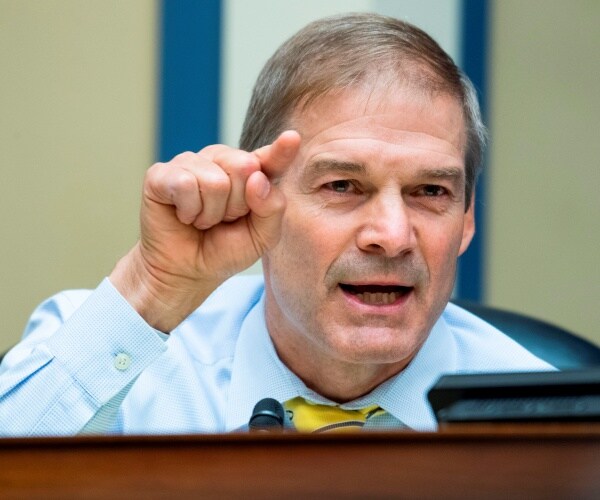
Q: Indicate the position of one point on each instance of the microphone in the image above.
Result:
(267, 416)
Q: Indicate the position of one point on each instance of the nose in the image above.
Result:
(386, 229)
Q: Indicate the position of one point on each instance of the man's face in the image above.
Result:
(374, 224)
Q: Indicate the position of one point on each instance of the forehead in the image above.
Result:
(390, 115)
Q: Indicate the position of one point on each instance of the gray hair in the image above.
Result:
(344, 51)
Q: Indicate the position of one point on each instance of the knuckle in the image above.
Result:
(217, 182)
(154, 175)
(182, 181)
(212, 150)
(237, 163)
(246, 171)
(154, 170)
(185, 158)
(247, 163)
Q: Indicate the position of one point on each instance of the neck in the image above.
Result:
(336, 379)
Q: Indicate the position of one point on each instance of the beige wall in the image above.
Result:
(544, 229)
(76, 134)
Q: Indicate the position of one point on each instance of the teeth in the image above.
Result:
(378, 298)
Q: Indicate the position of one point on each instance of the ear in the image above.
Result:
(468, 226)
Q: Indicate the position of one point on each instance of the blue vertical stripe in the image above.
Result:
(189, 79)
(474, 48)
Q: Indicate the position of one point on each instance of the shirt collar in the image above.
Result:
(405, 395)
(257, 373)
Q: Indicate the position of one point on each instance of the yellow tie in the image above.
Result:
(312, 417)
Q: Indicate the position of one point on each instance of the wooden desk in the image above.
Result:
(487, 462)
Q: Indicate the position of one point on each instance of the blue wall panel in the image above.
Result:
(189, 80)
(474, 48)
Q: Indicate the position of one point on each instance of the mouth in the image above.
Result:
(377, 295)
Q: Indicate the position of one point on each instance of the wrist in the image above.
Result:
(162, 299)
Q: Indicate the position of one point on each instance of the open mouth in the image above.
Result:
(377, 295)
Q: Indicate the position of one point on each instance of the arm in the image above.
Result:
(65, 375)
(204, 217)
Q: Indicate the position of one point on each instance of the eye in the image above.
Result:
(340, 186)
(432, 190)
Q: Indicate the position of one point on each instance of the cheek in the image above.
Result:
(297, 253)
(440, 245)
(308, 230)
(310, 242)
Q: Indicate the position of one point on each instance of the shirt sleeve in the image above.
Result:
(81, 353)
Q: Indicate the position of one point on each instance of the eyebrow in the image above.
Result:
(319, 167)
(451, 173)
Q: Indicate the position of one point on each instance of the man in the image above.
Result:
(354, 183)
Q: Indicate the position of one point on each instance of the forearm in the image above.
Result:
(70, 370)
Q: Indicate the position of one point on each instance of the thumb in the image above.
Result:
(275, 158)
(267, 206)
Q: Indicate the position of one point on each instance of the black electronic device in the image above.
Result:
(518, 397)
(268, 415)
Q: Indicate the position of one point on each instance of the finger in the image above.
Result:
(267, 205)
(214, 188)
(223, 199)
(238, 165)
(174, 186)
(196, 187)
(276, 157)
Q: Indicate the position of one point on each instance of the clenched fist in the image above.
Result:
(205, 216)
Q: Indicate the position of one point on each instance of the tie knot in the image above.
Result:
(312, 417)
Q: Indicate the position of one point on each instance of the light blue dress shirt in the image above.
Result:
(89, 363)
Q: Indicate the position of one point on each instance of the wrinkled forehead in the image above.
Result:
(385, 109)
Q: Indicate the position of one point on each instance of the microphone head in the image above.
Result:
(268, 414)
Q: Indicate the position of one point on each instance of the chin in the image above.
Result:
(377, 348)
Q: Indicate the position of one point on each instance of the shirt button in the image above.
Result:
(122, 361)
